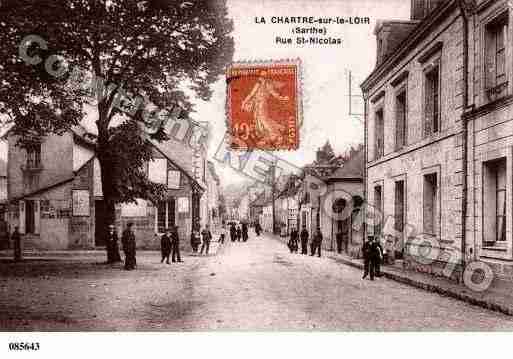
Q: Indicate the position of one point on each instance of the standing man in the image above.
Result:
(207, 237)
(128, 241)
(258, 229)
(316, 242)
(376, 255)
(238, 233)
(165, 246)
(111, 244)
(233, 232)
(195, 240)
(245, 232)
(175, 245)
(16, 238)
(339, 237)
(366, 248)
(223, 233)
(304, 241)
(293, 241)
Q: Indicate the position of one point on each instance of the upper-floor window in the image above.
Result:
(379, 134)
(432, 100)
(400, 120)
(34, 156)
(496, 79)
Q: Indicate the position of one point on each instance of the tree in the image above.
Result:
(59, 58)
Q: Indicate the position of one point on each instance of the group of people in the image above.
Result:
(304, 237)
(372, 255)
(128, 245)
(204, 238)
(170, 245)
(239, 232)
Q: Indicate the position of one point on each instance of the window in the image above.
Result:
(399, 206)
(379, 135)
(378, 200)
(496, 80)
(494, 201)
(432, 101)
(430, 205)
(165, 215)
(400, 120)
(34, 156)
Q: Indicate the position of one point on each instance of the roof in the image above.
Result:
(416, 35)
(351, 170)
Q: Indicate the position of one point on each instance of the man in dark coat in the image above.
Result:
(304, 241)
(111, 244)
(195, 240)
(16, 238)
(128, 241)
(238, 233)
(233, 232)
(165, 246)
(207, 237)
(366, 248)
(175, 245)
(293, 246)
(316, 243)
(376, 254)
(339, 237)
(258, 229)
(245, 232)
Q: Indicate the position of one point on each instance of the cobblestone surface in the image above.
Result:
(256, 285)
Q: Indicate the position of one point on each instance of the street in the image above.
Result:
(257, 285)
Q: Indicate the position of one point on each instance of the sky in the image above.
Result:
(325, 68)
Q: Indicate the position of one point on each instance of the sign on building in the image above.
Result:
(183, 204)
(157, 170)
(80, 202)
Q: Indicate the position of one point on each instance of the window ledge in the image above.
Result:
(494, 248)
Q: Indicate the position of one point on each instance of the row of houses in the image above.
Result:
(439, 133)
(298, 202)
(54, 192)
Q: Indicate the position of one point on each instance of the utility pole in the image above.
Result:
(273, 189)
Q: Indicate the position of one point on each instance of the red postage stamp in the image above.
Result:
(264, 105)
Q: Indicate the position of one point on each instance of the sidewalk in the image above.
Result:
(498, 297)
(75, 254)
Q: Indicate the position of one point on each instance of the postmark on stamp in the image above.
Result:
(264, 105)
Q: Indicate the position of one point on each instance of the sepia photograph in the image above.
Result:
(305, 170)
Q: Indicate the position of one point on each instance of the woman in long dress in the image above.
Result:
(257, 102)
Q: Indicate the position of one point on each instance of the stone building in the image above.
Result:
(55, 194)
(438, 136)
(340, 205)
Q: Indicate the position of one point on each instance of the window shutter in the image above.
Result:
(37, 216)
(22, 217)
(428, 108)
(490, 52)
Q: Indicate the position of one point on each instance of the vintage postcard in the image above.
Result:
(276, 166)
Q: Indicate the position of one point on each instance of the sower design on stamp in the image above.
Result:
(263, 105)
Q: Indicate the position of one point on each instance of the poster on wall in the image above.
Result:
(80, 198)
(157, 170)
(173, 179)
(183, 204)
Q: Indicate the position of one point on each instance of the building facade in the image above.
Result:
(438, 141)
(59, 204)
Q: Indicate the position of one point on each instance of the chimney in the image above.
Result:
(421, 8)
